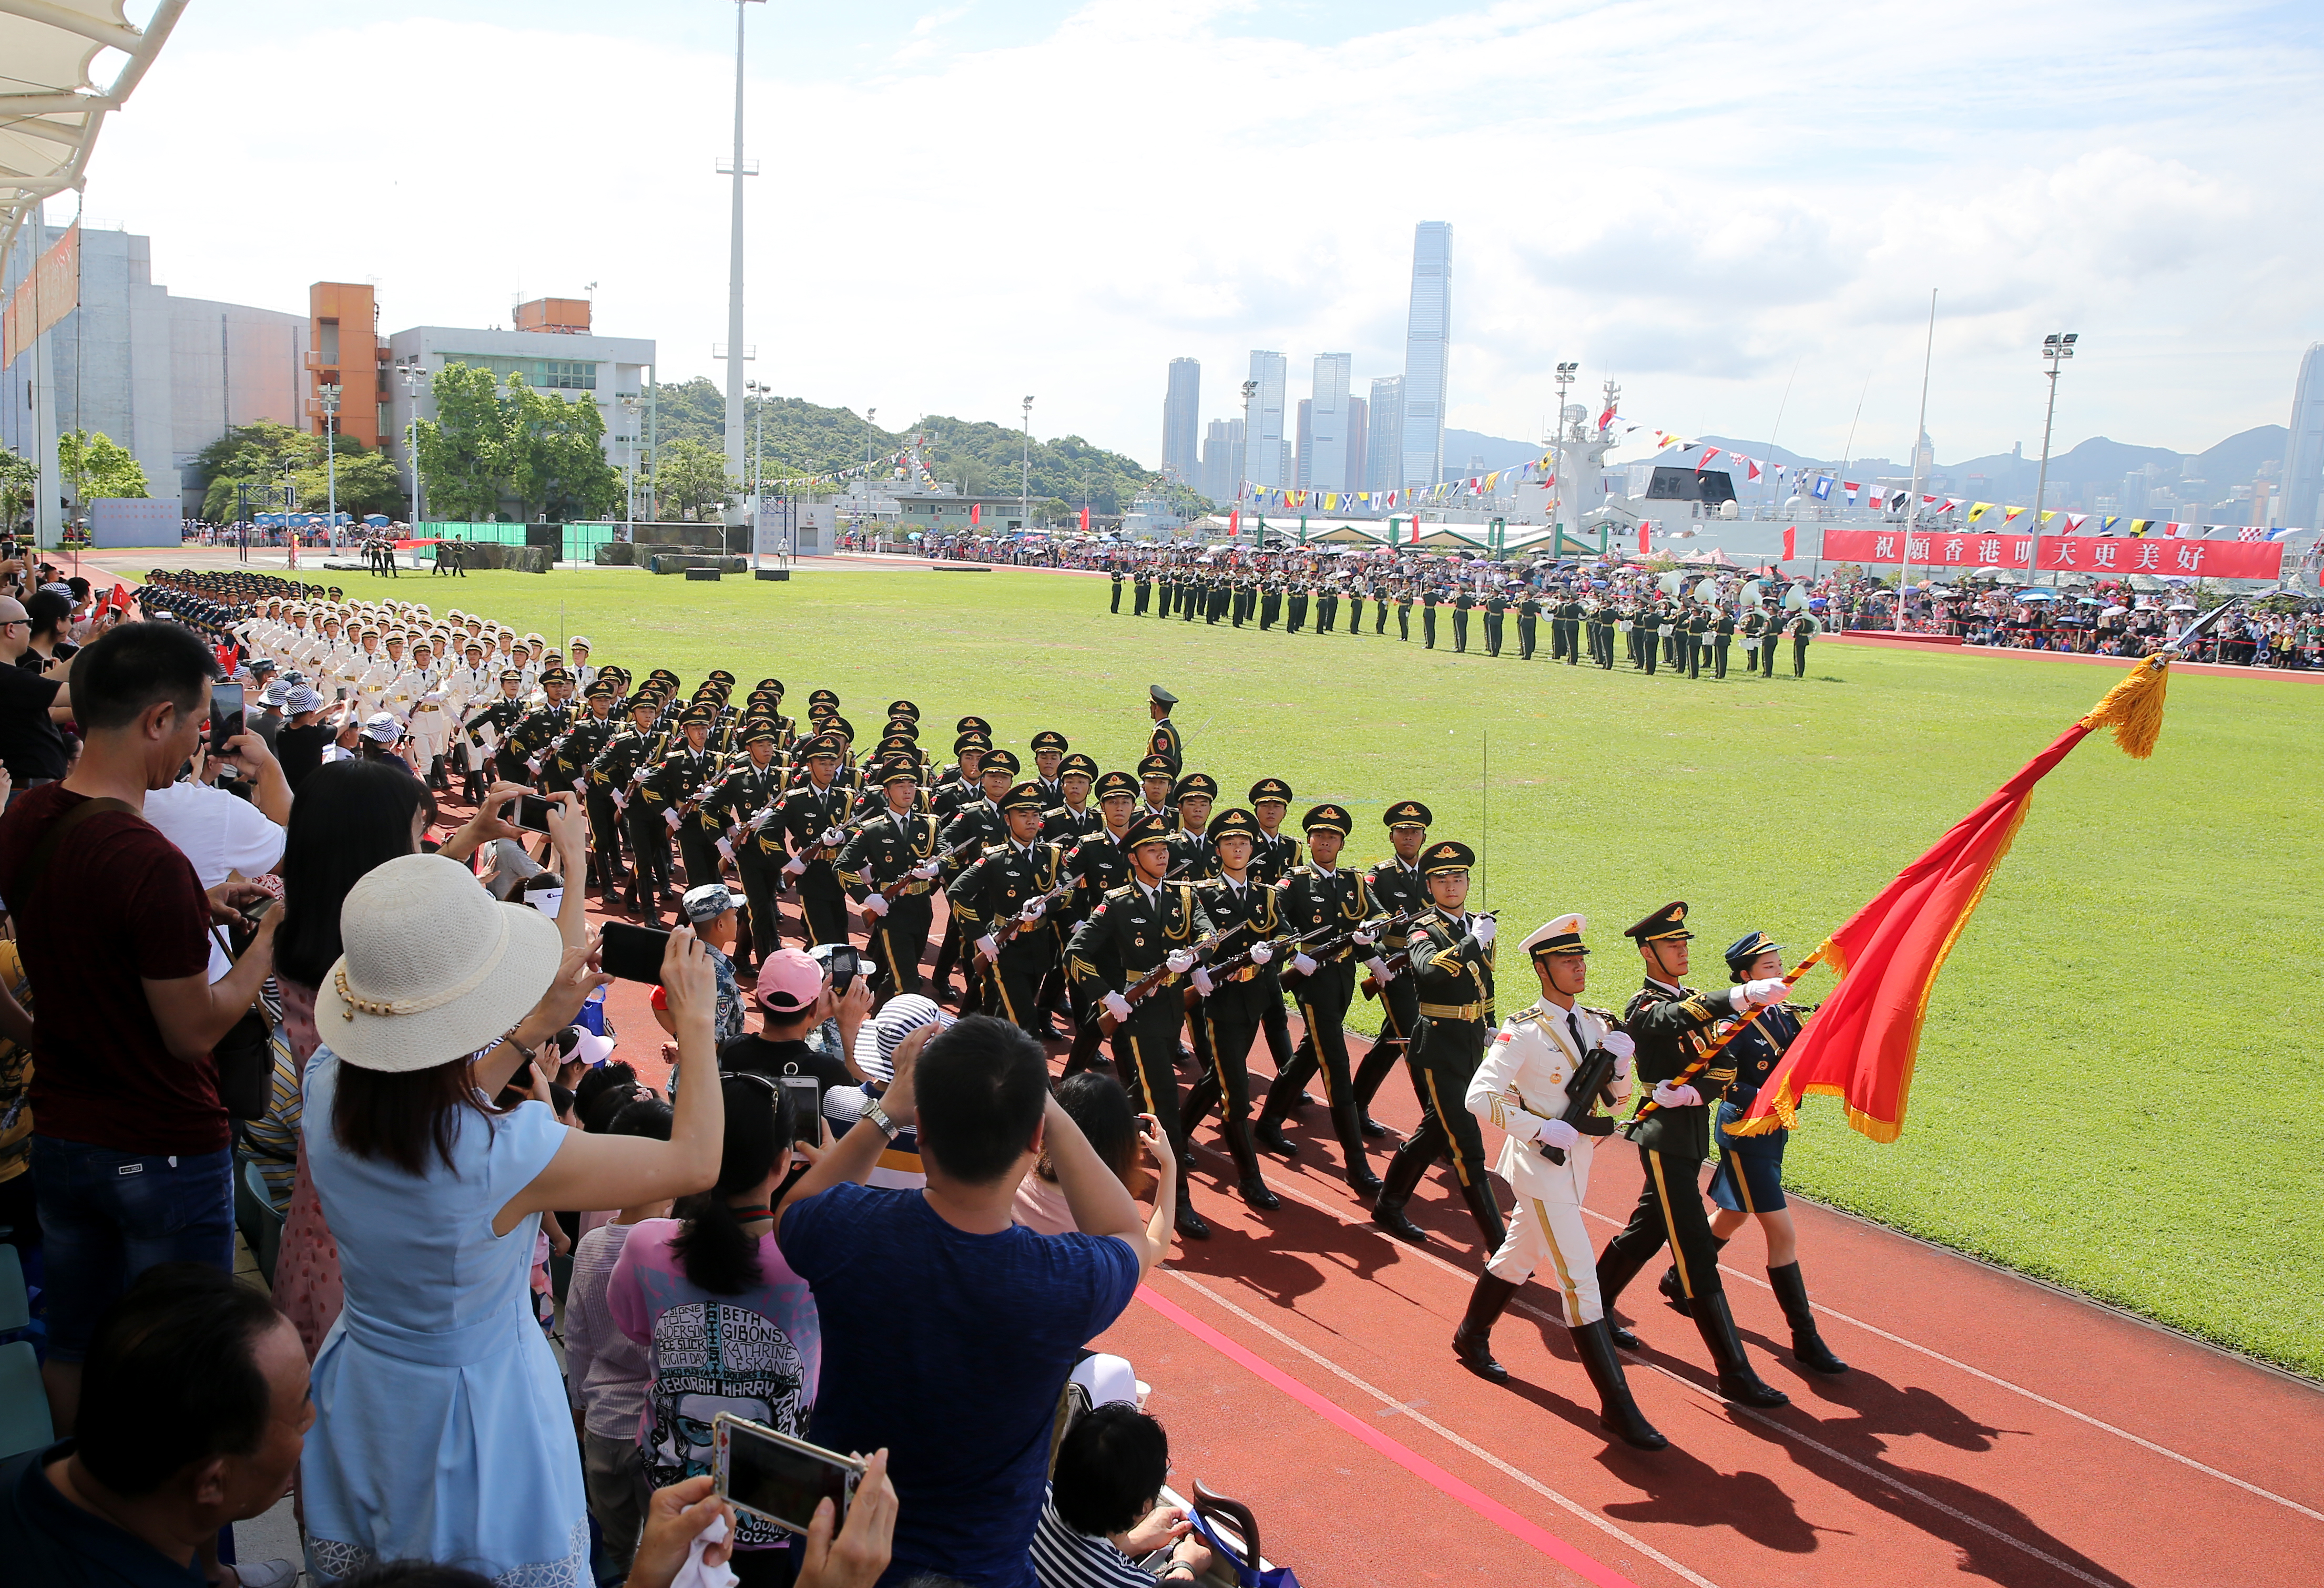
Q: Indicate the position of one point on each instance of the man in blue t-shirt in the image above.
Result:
(948, 1328)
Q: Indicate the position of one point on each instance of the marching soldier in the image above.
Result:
(812, 818)
(1521, 1087)
(1049, 747)
(1321, 894)
(624, 765)
(973, 825)
(888, 868)
(1143, 585)
(1463, 601)
(1116, 608)
(1570, 613)
(1191, 858)
(1398, 887)
(674, 788)
(1003, 902)
(1327, 605)
(1356, 608)
(1164, 740)
(1668, 1021)
(1233, 1006)
(1803, 629)
(486, 728)
(1071, 818)
(1528, 622)
(1145, 929)
(1404, 611)
(1722, 635)
(1270, 604)
(1100, 863)
(1428, 599)
(1452, 954)
(738, 810)
(588, 740)
(1748, 1181)
(1295, 606)
(1496, 604)
(1275, 855)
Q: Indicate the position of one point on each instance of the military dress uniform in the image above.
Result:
(739, 809)
(886, 849)
(1722, 636)
(1400, 889)
(1165, 740)
(1143, 585)
(1463, 601)
(1134, 931)
(994, 891)
(1428, 599)
(1803, 629)
(1521, 1087)
(624, 764)
(1528, 624)
(1453, 962)
(1295, 607)
(1312, 898)
(813, 822)
(1671, 1025)
(1232, 1014)
(1274, 857)
(673, 788)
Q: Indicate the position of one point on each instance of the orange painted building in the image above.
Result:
(344, 349)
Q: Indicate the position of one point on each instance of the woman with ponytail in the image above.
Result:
(728, 1326)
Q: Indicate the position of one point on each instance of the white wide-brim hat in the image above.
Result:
(434, 969)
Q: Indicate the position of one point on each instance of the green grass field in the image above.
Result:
(2107, 1096)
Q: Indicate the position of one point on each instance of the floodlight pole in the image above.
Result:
(1913, 502)
(2056, 347)
(734, 272)
(1242, 455)
(1557, 465)
(1025, 481)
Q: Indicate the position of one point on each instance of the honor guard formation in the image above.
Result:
(1172, 929)
(1674, 623)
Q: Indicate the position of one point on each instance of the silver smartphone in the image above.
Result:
(778, 1478)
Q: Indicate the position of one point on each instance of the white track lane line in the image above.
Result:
(1430, 1255)
(1572, 1507)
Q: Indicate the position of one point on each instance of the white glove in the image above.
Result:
(875, 904)
(1667, 1095)
(670, 817)
(1301, 963)
(926, 871)
(794, 867)
(1619, 1043)
(1179, 961)
(1557, 1134)
(533, 765)
(1363, 937)
(620, 799)
(1260, 953)
(1622, 1069)
(1482, 931)
(727, 849)
(1760, 994)
(1032, 911)
(1116, 1006)
(1380, 972)
(1202, 983)
(987, 947)
(832, 838)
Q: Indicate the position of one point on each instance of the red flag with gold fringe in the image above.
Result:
(1859, 1046)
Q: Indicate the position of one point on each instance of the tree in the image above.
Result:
(559, 453)
(468, 452)
(368, 482)
(95, 464)
(693, 475)
(20, 484)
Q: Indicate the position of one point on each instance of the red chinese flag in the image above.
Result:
(1234, 520)
(1085, 520)
(1860, 1046)
(976, 512)
(1790, 542)
(121, 597)
(1645, 526)
(226, 657)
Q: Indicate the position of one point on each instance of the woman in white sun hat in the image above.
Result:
(441, 1430)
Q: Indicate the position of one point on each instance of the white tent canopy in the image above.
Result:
(49, 110)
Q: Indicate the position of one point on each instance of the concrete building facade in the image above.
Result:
(1182, 411)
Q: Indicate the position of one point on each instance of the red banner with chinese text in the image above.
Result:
(1931, 548)
(2107, 556)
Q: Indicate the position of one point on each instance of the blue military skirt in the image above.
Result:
(1749, 1177)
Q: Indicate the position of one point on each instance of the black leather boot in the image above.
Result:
(1359, 1169)
(1252, 1182)
(1486, 1209)
(1736, 1380)
(1472, 1342)
(1614, 1272)
(1808, 1348)
(1674, 1292)
(1268, 1131)
(1404, 1172)
(1619, 1414)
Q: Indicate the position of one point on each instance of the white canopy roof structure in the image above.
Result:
(50, 109)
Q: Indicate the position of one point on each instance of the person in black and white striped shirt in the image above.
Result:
(1103, 1525)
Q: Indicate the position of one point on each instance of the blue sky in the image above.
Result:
(963, 203)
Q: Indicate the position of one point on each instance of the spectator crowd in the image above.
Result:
(511, 1287)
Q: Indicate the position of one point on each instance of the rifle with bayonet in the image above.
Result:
(894, 889)
(1227, 967)
(1378, 927)
(1139, 991)
(1007, 933)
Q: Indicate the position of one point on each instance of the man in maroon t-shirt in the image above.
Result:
(131, 1148)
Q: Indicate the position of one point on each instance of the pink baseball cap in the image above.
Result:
(789, 981)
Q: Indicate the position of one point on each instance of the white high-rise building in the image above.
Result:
(1221, 460)
(2303, 449)
(1182, 421)
(1267, 458)
(1384, 457)
(1427, 353)
(1324, 460)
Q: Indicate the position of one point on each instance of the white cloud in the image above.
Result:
(1692, 197)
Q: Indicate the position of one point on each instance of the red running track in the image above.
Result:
(1990, 1426)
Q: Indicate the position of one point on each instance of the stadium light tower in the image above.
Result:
(1242, 453)
(1565, 373)
(734, 351)
(2057, 347)
(1025, 481)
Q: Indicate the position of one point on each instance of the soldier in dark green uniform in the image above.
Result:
(1275, 855)
(1098, 862)
(1322, 894)
(1164, 740)
(1452, 961)
(1698, 625)
(1671, 1023)
(1327, 605)
(1803, 629)
(622, 766)
(1496, 605)
(1233, 1008)
(1428, 599)
(1404, 611)
(1144, 926)
(1144, 585)
(1399, 888)
(1528, 621)
(1117, 591)
(675, 786)
(1722, 635)
(1010, 893)
(1463, 601)
(1295, 608)
(738, 810)
(1191, 856)
(1072, 817)
(811, 818)
(583, 746)
(1270, 604)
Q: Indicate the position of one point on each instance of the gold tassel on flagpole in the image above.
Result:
(2133, 708)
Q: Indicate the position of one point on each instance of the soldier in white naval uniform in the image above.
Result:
(1521, 1087)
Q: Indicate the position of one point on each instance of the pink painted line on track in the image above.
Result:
(1419, 1465)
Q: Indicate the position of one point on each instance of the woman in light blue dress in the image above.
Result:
(442, 1430)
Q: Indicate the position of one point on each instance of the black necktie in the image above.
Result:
(1573, 1024)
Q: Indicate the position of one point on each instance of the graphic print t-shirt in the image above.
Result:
(756, 1355)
